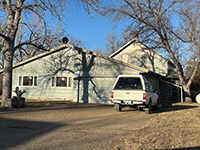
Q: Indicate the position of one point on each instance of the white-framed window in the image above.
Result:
(27, 81)
(62, 81)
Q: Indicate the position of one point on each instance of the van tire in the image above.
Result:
(118, 107)
(156, 106)
(148, 108)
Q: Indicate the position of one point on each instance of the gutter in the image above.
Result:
(179, 86)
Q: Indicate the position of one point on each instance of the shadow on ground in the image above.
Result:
(51, 105)
(189, 148)
(17, 132)
(175, 107)
(58, 105)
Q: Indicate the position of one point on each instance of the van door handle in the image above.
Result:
(127, 93)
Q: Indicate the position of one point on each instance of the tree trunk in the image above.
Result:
(187, 94)
(7, 76)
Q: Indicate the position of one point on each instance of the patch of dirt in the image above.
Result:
(172, 129)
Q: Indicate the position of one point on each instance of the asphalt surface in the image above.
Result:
(67, 126)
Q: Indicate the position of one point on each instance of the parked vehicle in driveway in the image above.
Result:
(134, 91)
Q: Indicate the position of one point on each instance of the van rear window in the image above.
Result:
(128, 83)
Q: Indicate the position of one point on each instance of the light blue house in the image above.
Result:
(72, 73)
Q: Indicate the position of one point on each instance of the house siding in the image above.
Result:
(44, 68)
(94, 83)
(93, 76)
(142, 57)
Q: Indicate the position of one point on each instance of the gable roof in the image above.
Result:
(136, 41)
(64, 46)
(46, 53)
(122, 48)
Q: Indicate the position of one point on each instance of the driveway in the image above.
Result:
(67, 126)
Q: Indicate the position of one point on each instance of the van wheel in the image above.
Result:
(156, 106)
(118, 107)
(148, 108)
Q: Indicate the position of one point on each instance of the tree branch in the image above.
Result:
(3, 4)
(30, 43)
(4, 37)
(193, 73)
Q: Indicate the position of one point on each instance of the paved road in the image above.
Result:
(67, 126)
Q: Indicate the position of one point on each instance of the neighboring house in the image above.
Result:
(72, 73)
(139, 55)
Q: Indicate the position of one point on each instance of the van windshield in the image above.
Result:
(129, 83)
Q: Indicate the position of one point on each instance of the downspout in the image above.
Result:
(176, 86)
(78, 89)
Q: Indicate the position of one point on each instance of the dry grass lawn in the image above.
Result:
(177, 127)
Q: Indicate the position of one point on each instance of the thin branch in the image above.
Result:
(193, 73)
(30, 43)
(32, 6)
(4, 36)
(3, 4)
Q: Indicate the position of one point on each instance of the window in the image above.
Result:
(148, 85)
(61, 81)
(35, 81)
(125, 58)
(129, 83)
(53, 81)
(70, 82)
(27, 80)
(20, 80)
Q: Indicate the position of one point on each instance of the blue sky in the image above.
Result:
(92, 30)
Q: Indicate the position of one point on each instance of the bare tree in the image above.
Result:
(78, 42)
(82, 44)
(17, 13)
(189, 70)
(48, 38)
(157, 23)
(100, 51)
(189, 33)
(113, 43)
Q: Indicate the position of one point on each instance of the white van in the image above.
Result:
(132, 91)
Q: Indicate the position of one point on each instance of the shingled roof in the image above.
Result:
(64, 46)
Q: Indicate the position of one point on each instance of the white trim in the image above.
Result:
(133, 40)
